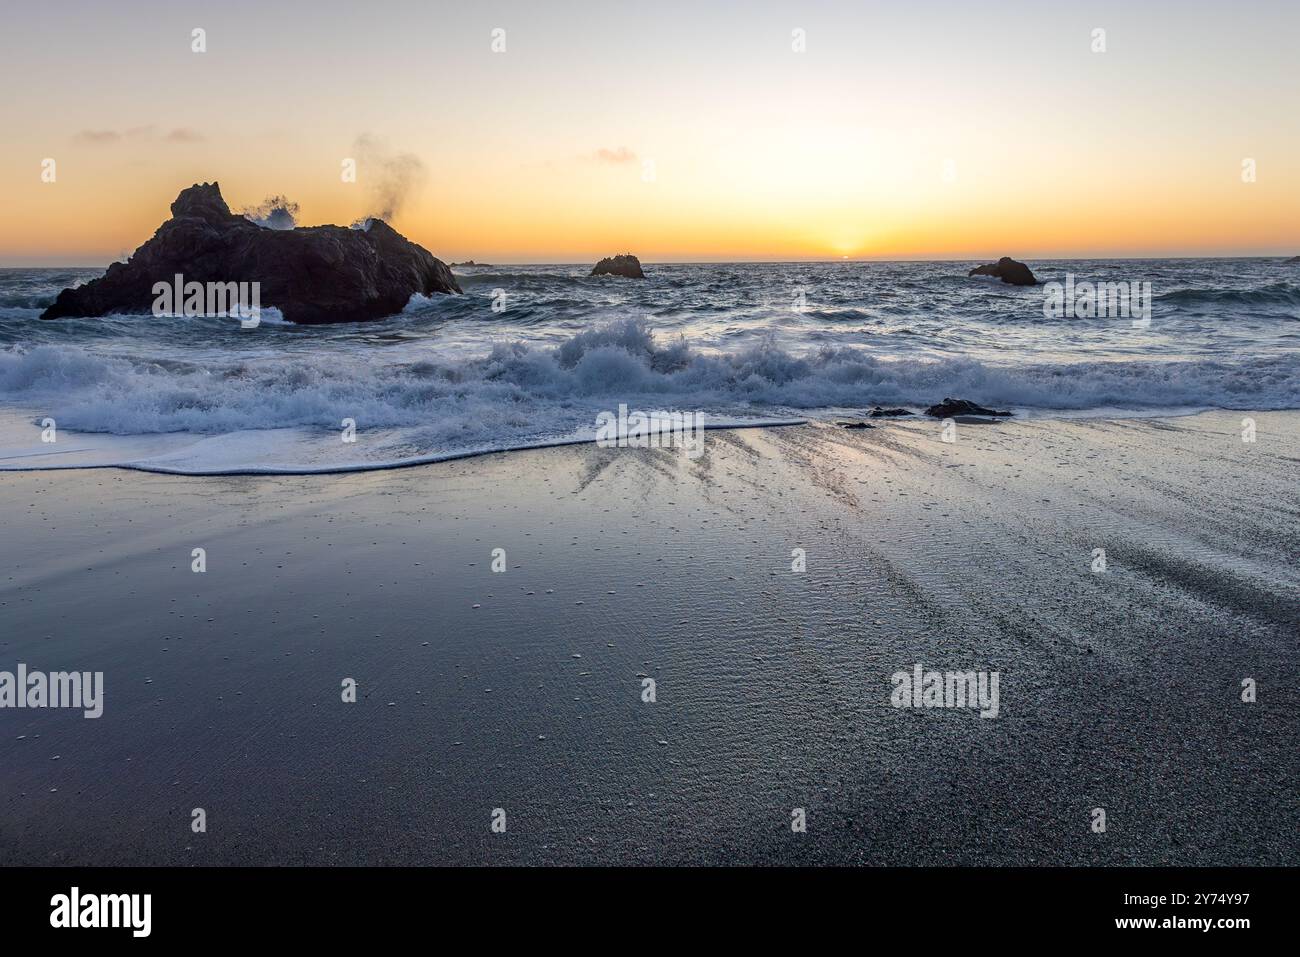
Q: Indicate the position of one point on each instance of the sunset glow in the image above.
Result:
(701, 137)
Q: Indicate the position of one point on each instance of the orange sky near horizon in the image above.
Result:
(709, 138)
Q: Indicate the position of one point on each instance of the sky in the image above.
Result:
(676, 131)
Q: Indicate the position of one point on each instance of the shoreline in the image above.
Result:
(434, 459)
(826, 418)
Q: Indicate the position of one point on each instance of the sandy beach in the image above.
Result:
(523, 690)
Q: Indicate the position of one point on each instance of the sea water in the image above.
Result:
(532, 355)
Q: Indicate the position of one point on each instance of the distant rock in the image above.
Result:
(856, 425)
(1294, 259)
(467, 264)
(950, 408)
(626, 265)
(879, 413)
(1008, 270)
(312, 274)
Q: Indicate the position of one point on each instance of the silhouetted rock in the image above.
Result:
(467, 264)
(1294, 259)
(878, 412)
(856, 425)
(1008, 270)
(312, 274)
(625, 265)
(949, 408)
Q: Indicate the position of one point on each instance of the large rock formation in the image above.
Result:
(312, 274)
(625, 265)
(1008, 270)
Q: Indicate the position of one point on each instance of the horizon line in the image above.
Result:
(1284, 257)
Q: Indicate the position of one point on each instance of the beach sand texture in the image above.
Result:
(522, 690)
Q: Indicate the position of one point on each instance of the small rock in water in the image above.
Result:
(953, 407)
(1008, 270)
(626, 265)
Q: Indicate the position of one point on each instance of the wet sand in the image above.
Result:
(522, 690)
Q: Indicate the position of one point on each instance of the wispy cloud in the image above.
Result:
(137, 134)
(616, 156)
(98, 137)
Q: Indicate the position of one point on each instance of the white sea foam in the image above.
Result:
(287, 413)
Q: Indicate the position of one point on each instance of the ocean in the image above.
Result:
(531, 355)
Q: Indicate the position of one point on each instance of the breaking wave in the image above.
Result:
(518, 394)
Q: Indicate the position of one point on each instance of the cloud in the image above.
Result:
(619, 156)
(137, 134)
(615, 156)
(98, 137)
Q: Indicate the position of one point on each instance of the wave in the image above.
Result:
(279, 408)
(517, 281)
(1273, 294)
(518, 388)
(34, 291)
